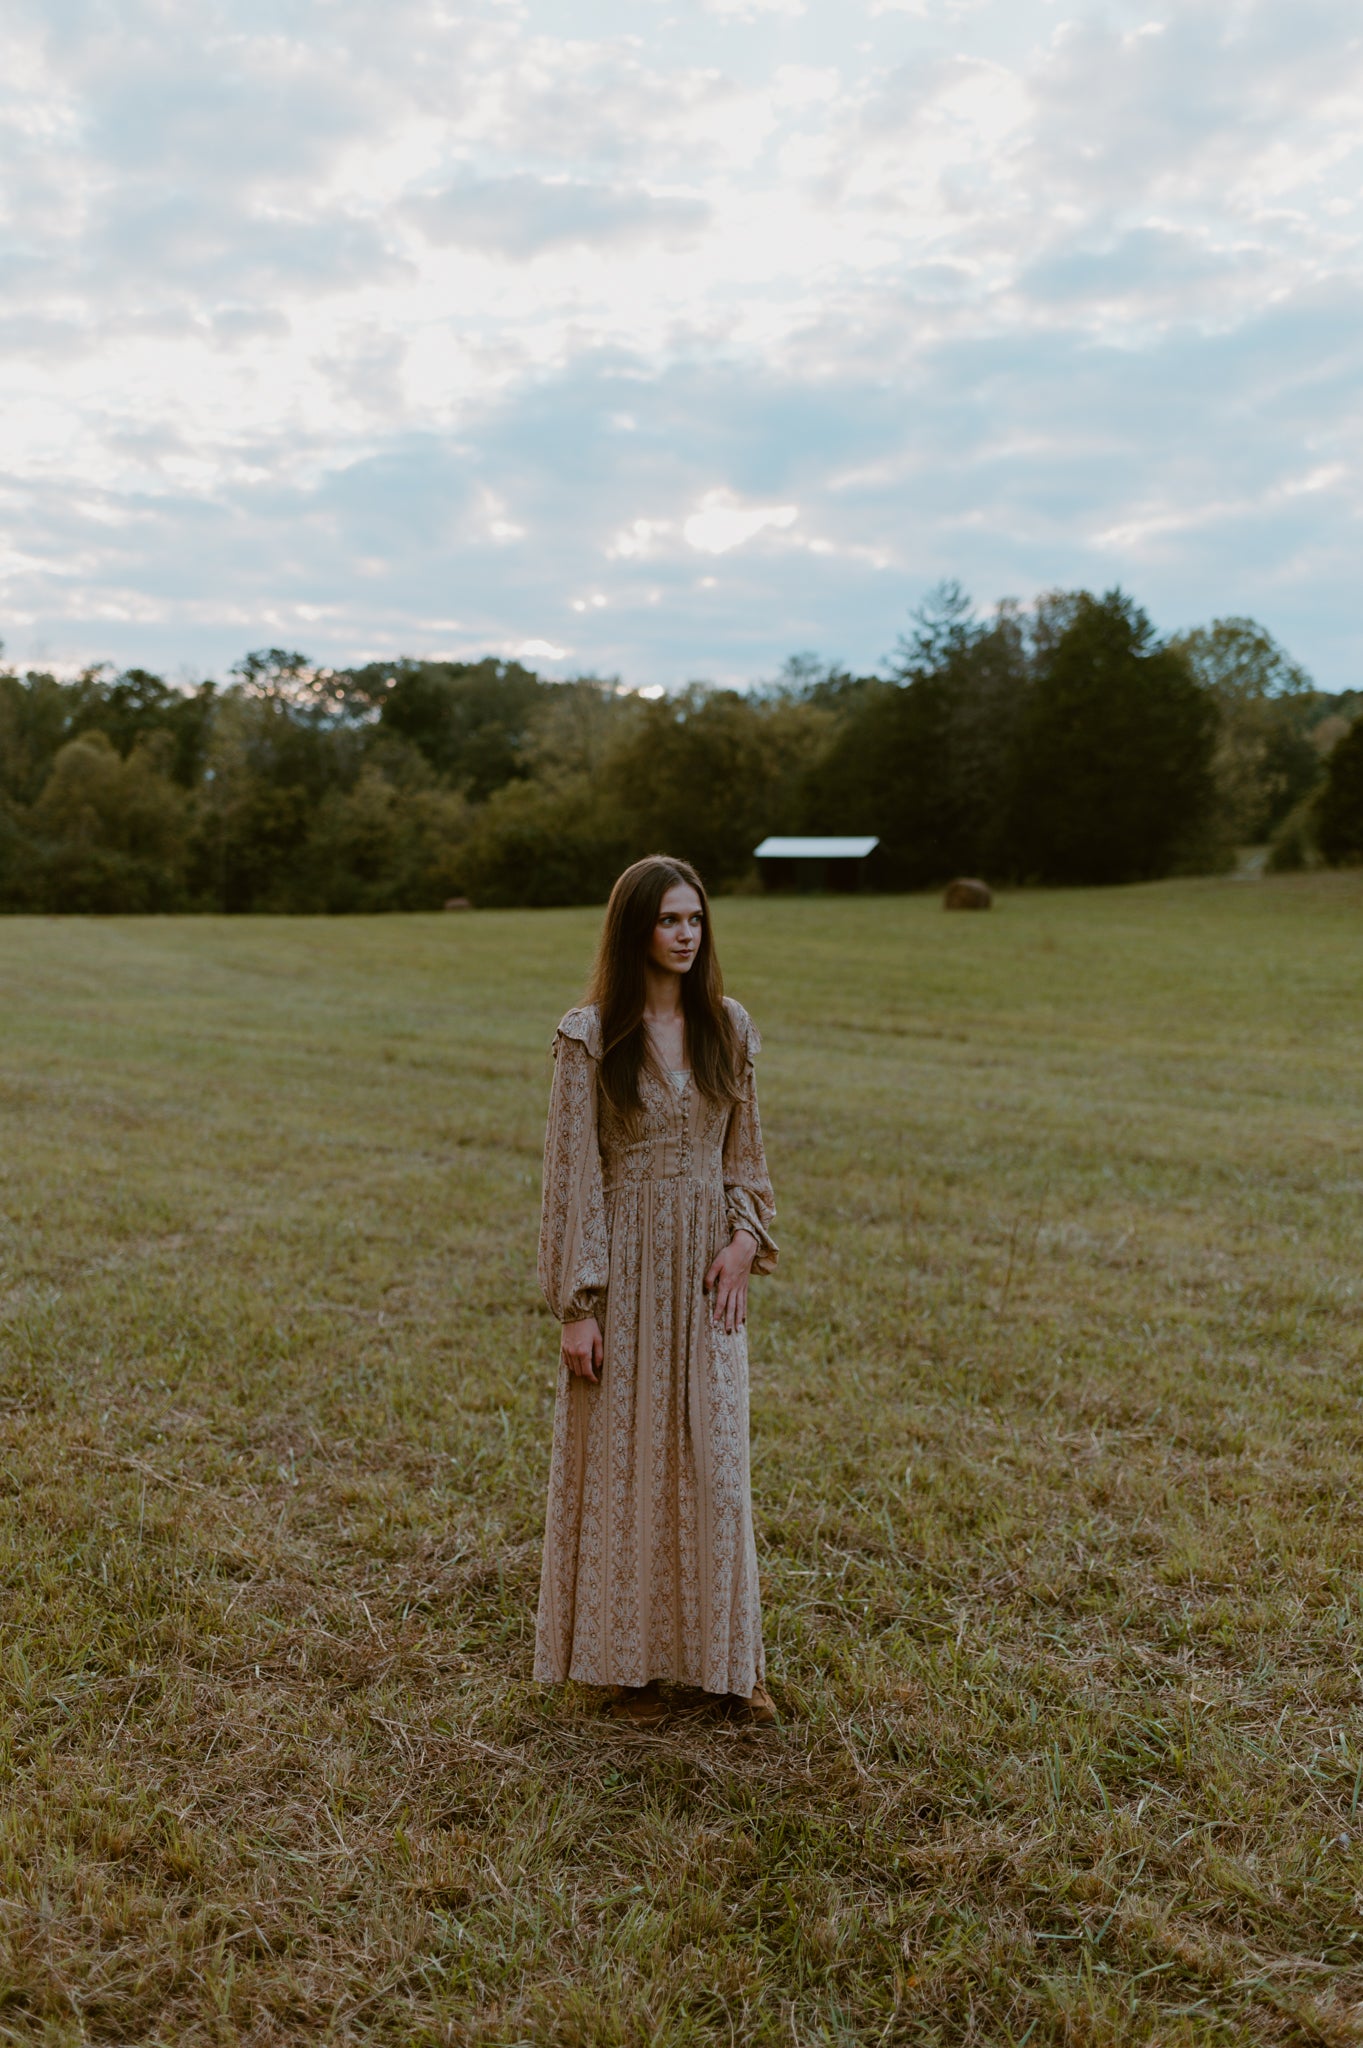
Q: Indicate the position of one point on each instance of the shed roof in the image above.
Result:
(815, 849)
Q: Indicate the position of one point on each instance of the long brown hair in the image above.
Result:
(618, 989)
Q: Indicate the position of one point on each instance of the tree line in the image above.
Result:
(1064, 742)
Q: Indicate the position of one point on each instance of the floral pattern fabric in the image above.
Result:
(650, 1568)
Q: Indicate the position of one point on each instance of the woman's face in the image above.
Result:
(677, 933)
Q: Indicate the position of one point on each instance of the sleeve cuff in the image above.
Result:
(742, 1213)
(590, 1302)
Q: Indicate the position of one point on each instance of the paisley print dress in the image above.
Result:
(650, 1570)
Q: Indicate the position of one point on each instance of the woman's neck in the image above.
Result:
(662, 994)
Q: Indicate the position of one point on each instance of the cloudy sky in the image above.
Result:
(668, 337)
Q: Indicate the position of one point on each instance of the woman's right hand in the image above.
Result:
(583, 1349)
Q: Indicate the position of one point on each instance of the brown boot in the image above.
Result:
(758, 1710)
(640, 1706)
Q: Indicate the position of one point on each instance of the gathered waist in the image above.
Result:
(713, 1180)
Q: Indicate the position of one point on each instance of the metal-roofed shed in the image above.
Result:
(815, 862)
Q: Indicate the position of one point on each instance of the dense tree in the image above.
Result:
(1059, 742)
(926, 762)
(1339, 808)
(1239, 661)
(706, 774)
(471, 721)
(1114, 750)
(545, 842)
(135, 705)
(865, 780)
(269, 763)
(106, 834)
(574, 728)
(1264, 761)
(39, 714)
(380, 846)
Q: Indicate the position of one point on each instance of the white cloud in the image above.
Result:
(521, 216)
(639, 539)
(537, 650)
(331, 325)
(720, 523)
(750, 10)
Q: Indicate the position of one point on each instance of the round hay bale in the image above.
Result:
(967, 894)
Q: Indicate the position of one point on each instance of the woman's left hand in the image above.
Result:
(728, 1276)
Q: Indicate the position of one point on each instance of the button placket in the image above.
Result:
(687, 1097)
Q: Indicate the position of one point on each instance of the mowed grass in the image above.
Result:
(1057, 1439)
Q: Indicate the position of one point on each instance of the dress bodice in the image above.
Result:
(679, 1132)
(599, 1166)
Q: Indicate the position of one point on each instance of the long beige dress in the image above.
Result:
(650, 1569)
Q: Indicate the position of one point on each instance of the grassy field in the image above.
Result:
(1056, 1455)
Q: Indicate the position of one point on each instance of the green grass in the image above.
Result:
(1056, 1433)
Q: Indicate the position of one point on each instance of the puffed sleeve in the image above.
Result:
(574, 1254)
(749, 1203)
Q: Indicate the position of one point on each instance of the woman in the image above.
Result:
(655, 1197)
